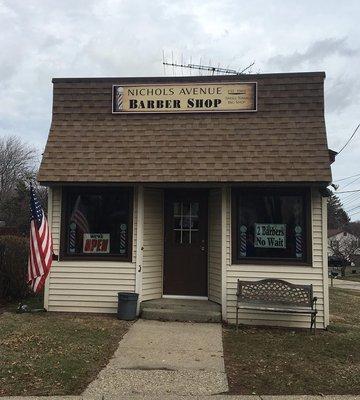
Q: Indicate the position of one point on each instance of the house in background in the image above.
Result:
(176, 187)
(344, 252)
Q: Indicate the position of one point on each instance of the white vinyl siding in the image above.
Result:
(55, 218)
(153, 243)
(92, 286)
(296, 274)
(86, 286)
(214, 246)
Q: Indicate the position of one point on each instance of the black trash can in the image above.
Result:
(127, 304)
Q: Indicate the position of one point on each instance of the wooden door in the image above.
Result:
(185, 258)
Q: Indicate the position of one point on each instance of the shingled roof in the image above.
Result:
(284, 141)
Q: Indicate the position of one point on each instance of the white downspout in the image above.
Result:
(325, 260)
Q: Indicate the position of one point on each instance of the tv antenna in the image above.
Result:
(213, 70)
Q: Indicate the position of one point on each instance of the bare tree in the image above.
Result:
(344, 248)
(17, 163)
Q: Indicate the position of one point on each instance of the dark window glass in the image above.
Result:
(186, 222)
(271, 224)
(98, 222)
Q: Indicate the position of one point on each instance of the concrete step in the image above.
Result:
(181, 310)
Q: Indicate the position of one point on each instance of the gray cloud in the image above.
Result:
(342, 93)
(315, 53)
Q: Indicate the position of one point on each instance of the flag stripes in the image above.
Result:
(79, 216)
(41, 248)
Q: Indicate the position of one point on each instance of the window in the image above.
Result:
(186, 222)
(271, 224)
(97, 223)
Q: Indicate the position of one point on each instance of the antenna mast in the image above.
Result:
(213, 70)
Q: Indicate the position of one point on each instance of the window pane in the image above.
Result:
(194, 223)
(98, 222)
(195, 209)
(177, 222)
(186, 223)
(271, 225)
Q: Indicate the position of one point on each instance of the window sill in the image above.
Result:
(96, 258)
(272, 262)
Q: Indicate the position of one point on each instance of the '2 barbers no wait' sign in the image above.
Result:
(270, 236)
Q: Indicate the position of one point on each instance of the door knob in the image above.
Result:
(202, 248)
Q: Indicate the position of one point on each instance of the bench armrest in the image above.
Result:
(238, 289)
(313, 303)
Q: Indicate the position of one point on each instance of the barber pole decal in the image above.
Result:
(119, 97)
(243, 230)
(298, 241)
(72, 237)
(123, 229)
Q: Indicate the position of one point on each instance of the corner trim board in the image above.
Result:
(223, 252)
(139, 244)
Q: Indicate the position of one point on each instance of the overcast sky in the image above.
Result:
(42, 39)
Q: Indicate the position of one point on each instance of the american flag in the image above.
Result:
(41, 247)
(79, 216)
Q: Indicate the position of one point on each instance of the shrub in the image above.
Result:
(13, 267)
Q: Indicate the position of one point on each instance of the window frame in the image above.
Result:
(65, 214)
(307, 202)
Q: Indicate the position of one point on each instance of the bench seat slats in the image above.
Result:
(277, 308)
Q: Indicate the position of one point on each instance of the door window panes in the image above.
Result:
(186, 222)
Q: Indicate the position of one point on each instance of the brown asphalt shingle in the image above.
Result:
(284, 141)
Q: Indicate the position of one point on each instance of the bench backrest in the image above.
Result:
(275, 291)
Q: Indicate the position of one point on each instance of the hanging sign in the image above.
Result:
(196, 97)
(98, 243)
(270, 236)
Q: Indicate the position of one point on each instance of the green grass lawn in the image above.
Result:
(278, 361)
(54, 353)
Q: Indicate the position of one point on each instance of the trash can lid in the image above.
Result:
(128, 295)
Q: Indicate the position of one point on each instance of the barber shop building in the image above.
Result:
(175, 188)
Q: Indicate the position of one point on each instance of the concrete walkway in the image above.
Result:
(343, 284)
(165, 358)
(172, 397)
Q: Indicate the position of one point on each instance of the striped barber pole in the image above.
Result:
(119, 98)
(72, 237)
(298, 242)
(243, 230)
(123, 229)
(41, 245)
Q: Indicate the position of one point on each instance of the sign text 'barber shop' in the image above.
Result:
(209, 97)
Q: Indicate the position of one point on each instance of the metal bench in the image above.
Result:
(276, 295)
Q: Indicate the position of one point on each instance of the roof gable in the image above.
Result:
(284, 141)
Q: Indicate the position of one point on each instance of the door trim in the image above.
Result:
(205, 193)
